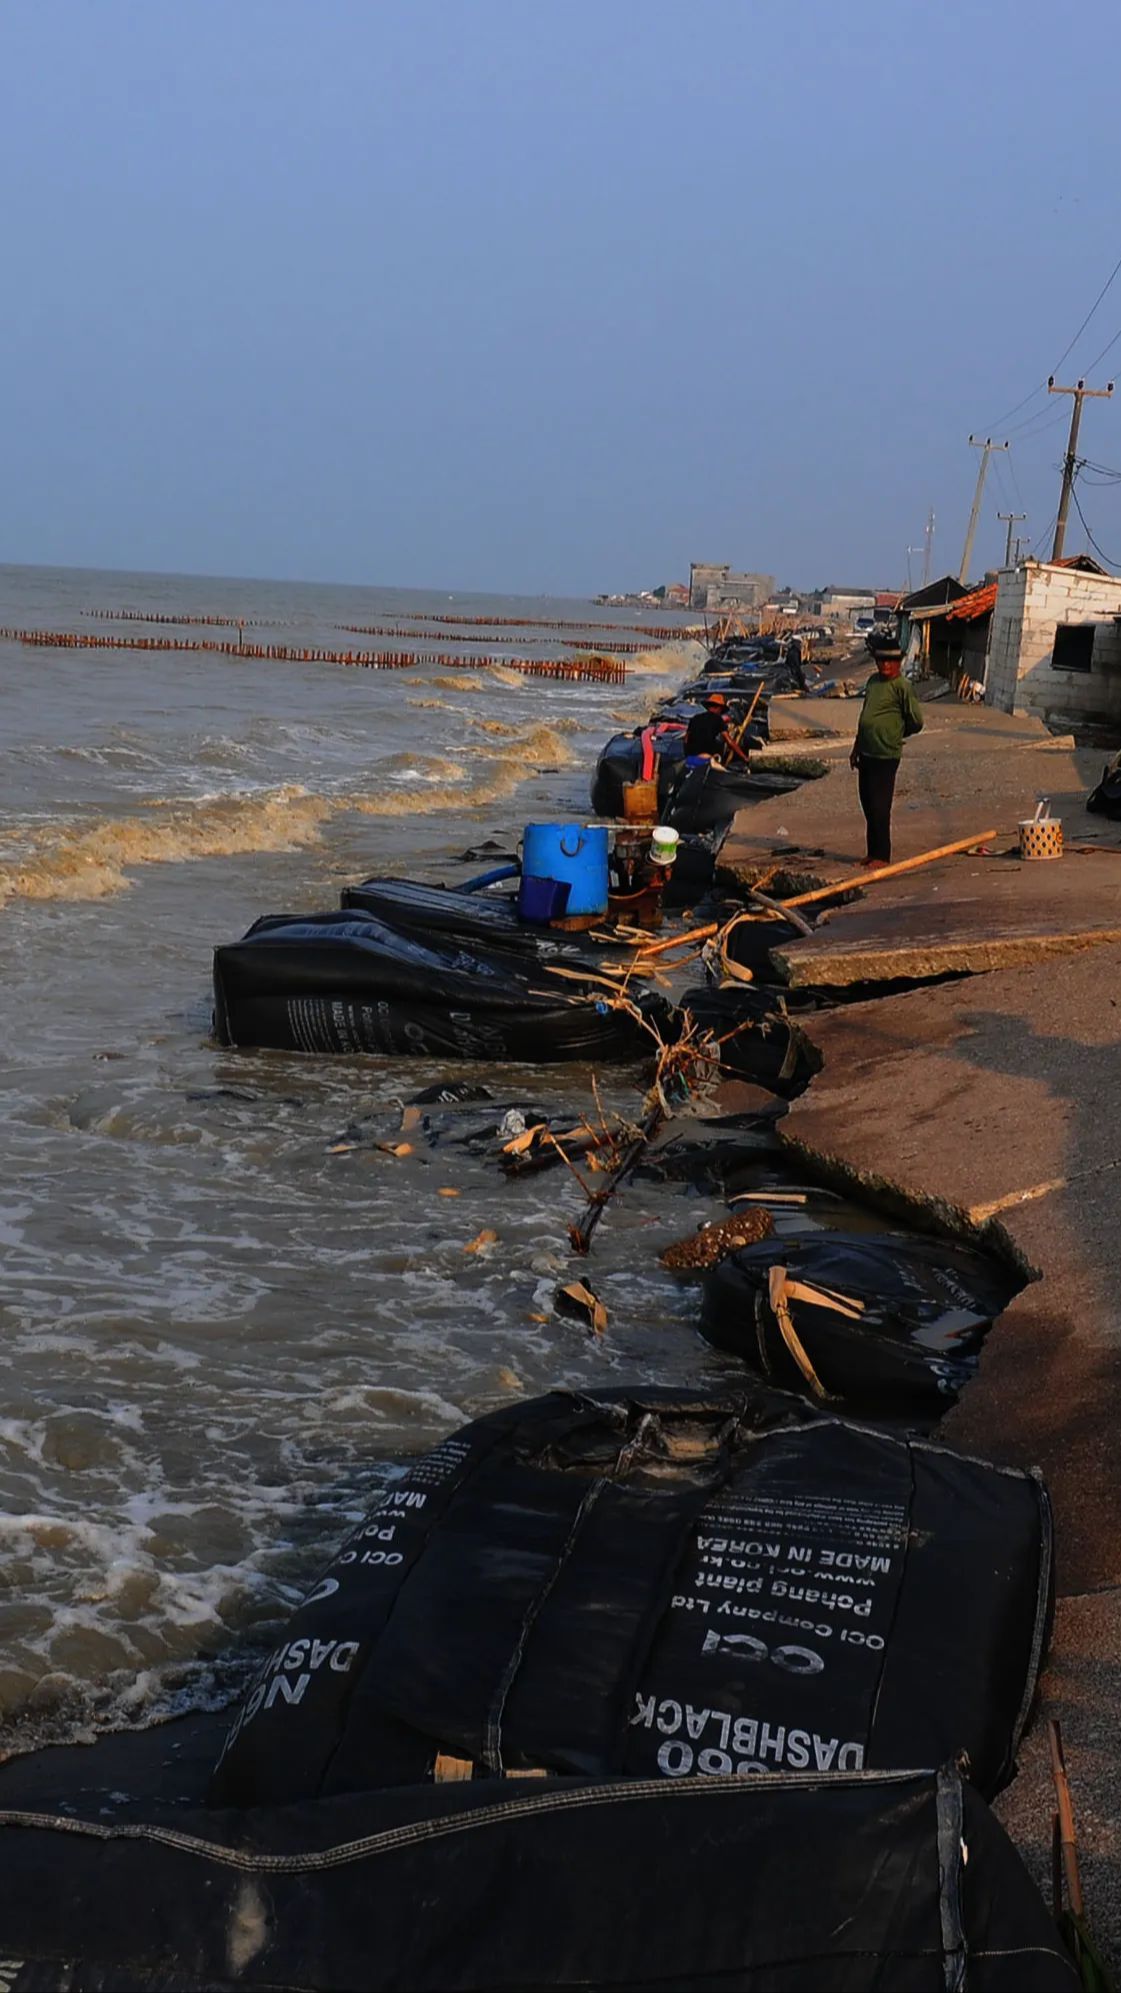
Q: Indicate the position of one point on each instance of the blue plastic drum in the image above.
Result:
(576, 853)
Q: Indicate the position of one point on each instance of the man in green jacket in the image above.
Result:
(890, 713)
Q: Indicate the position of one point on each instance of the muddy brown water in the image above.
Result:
(215, 1334)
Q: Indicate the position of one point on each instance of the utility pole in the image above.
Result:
(1070, 463)
(1011, 517)
(910, 582)
(986, 448)
(928, 543)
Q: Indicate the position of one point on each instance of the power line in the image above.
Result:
(1003, 490)
(1042, 421)
(1089, 315)
(1002, 421)
(1098, 550)
(1104, 351)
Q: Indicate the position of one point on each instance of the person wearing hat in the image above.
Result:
(706, 736)
(889, 715)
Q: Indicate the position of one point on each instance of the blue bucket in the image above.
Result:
(542, 900)
(574, 853)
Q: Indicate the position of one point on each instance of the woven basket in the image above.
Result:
(1041, 837)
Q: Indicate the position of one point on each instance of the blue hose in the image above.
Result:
(491, 878)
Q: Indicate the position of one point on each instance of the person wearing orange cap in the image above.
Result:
(706, 736)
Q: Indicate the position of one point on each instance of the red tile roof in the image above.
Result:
(970, 608)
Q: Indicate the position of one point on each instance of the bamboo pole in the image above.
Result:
(1068, 1840)
(679, 940)
(736, 738)
(890, 871)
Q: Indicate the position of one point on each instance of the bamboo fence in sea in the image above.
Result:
(594, 670)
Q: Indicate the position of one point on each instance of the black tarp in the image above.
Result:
(925, 1305)
(348, 982)
(765, 1885)
(661, 1584)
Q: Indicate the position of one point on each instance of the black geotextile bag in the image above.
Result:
(441, 911)
(660, 1585)
(706, 797)
(881, 1323)
(769, 1885)
(347, 982)
(620, 762)
(1105, 799)
(758, 1041)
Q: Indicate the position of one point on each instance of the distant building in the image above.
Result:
(714, 585)
(842, 605)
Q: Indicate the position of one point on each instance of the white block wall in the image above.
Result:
(1031, 601)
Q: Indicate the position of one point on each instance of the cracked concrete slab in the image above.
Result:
(1003, 1096)
(969, 916)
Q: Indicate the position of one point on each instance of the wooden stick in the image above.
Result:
(822, 1297)
(581, 1234)
(584, 976)
(784, 912)
(890, 871)
(679, 940)
(776, 1294)
(1067, 1835)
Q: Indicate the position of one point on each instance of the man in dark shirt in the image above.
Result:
(706, 733)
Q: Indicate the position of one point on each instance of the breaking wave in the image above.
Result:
(90, 860)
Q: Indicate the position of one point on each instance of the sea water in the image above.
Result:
(224, 1311)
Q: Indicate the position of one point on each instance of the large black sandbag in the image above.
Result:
(927, 1305)
(417, 907)
(758, 1041)
(660, 1585)
(620, 763)
(347, 982)
(768, 1885)
(707, 797)
(1105, 798)
(694, 870)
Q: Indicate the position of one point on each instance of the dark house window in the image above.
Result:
(1074, 647)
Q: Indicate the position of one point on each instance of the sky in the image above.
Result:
(550, 296)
